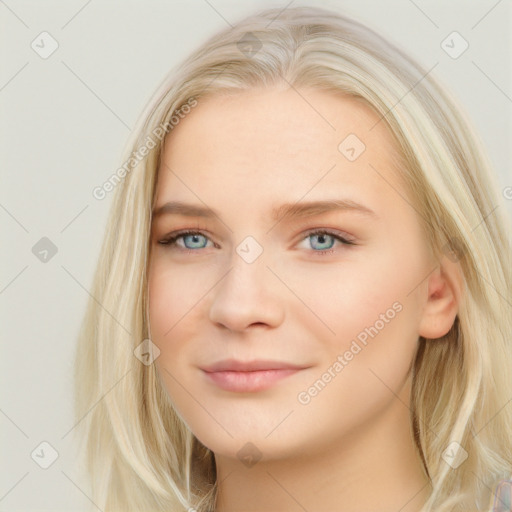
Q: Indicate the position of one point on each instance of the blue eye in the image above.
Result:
(320, 241)
(191, 240)
(195, 241)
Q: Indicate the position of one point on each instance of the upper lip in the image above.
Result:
(246, 366)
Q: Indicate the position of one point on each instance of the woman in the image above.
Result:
(304, 290)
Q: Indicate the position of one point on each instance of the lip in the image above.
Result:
(233, 365)
(250, 376)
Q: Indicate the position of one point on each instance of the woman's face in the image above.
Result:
(335, 323)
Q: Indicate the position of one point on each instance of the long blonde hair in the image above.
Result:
(139, 453)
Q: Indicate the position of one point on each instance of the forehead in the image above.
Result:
(263, 144)
(320, 118)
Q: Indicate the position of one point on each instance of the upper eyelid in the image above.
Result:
(329, 231)
(174, 236)
(205, 233)
(346, 238)
(184, 232)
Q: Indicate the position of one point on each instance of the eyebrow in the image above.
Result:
(296, 210)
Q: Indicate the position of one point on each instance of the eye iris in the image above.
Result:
(195, 239)
(321, 239)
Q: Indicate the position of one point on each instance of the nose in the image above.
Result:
(248, 295)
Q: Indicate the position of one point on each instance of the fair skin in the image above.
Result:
(304, 300)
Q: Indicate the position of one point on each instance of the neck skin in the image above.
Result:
(375, 469)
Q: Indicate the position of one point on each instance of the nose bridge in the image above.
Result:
(248, 263)
(248, 278)
(246, 294)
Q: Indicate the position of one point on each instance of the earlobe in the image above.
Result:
(442, 301)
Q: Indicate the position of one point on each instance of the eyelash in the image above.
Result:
(173, 237)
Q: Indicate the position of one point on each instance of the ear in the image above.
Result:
(443, 299)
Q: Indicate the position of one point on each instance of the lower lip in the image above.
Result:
(243, 382)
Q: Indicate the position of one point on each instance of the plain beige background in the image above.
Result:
(63, 124)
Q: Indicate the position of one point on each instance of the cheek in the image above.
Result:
(366, 363)
(175, 316)
(346, 295)
(175, 294)
(162, 302)
(364, 306)
(171, 309)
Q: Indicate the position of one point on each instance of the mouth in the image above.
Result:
(244, 377)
